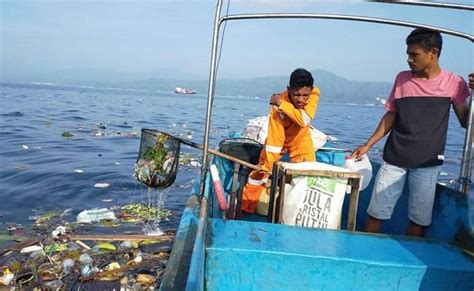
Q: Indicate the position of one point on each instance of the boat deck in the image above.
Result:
(262, 256)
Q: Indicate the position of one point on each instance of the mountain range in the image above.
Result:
(334, 89)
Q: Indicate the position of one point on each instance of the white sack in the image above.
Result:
(314, 202)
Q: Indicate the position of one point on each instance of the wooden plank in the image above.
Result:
(281, 197)
(118, 237)
(273, 190)
(353, 204)
(319, 173)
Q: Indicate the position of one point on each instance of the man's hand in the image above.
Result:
(360, 151)
(275, 99)
(471, 80)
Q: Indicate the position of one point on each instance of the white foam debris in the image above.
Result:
(78, 171)
(194, 164)
(117, 163)
(157, 231)
(101, 185)
(25, 147)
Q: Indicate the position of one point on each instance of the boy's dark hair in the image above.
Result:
(301, 78)
(426, 38)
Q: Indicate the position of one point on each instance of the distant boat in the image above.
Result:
(180, 90)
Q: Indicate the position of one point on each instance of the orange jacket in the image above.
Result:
(296, 122)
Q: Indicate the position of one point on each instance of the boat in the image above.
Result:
(179, 90)
(215, 251)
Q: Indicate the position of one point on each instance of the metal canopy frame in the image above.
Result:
(429, 4)
(219, 20)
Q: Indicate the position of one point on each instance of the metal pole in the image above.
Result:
(210, 94)
(196, 271)
(344, 17)
(466, 161)
(428, 4)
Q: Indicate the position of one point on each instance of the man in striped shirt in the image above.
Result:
(417, 120)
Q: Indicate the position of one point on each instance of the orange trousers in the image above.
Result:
(283, 137)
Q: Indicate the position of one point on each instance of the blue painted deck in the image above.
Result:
(244, 255)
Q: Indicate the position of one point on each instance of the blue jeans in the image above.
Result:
(388, 188)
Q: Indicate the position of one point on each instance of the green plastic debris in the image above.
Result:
(144, 212)
(54, 248)
(67, 134)
(106, 247)
(48, 216)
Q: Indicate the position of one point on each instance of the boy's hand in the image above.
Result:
(275, 99)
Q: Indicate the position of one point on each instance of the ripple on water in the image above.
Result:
(13, 114)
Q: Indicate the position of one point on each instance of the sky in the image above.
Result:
(160, 38)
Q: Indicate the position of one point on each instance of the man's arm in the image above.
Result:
(384, 127)
(301, 117)
(462, 113)
(462, 109)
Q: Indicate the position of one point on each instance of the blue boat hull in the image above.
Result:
(217, 254)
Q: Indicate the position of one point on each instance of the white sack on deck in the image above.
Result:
(314, 201)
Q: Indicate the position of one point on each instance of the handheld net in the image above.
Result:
(158, 159)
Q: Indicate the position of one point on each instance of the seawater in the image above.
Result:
(42, 171)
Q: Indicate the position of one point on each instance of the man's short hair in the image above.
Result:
(428, 39)
(301, 78)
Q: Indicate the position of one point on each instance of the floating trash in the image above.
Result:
(60, 230)
(22, 167)
(13, 227)
(195, 164)
(93, 215)
(78, 171)
(67, 134)
(48, 216)
(25, 278)
(101, 185)
(25, 147)
(30, 249)
(59, 258)
(145, 212)
(68, 265)
(7, 277)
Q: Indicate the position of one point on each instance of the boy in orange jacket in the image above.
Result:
(288, 132)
